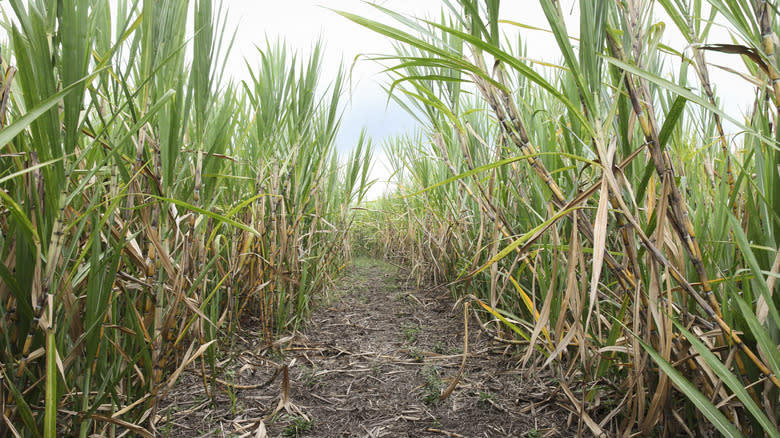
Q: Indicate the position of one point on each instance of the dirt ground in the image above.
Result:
(373, 362)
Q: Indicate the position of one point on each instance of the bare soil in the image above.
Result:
(373, 362)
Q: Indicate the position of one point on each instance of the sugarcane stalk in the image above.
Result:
(514, 129)
(765, 11)
(678, 214)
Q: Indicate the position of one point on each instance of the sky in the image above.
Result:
(302, 22)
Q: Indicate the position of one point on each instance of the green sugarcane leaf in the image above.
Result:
(764, 341)
(689, 95)
(24, 409)
(9, 132)
(209, 213)
(752, 262)
(730, 380)
(672, 117)
(18, 213)
(702, 403)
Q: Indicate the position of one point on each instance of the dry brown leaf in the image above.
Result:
(454, 382)
(138, 430)
(762, 309)
(592, 425)
(188, 359)
(738, 49)
(11, 426)
(261, 431)
(599, 245)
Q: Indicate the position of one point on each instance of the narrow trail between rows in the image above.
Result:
(372, 362)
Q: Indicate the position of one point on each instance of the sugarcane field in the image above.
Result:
(407, 218)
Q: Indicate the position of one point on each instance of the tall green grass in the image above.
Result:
(596, 211)
(149, 205)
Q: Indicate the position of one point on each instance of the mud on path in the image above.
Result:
(372, 362)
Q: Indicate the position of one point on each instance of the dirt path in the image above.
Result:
(372, 363)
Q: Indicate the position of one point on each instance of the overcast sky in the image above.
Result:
(302, 22)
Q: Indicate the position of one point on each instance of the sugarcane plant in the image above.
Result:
(151, 205)
(596, 211)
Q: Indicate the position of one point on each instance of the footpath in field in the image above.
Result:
(372, 362)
